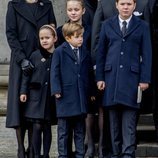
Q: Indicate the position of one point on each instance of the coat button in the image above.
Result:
(46, 83)
(121, 66)
(48, 69)
(123, 40)
(122, 53)
(78, 75)
(75, 63)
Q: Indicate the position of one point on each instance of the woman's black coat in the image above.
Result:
(22, 35)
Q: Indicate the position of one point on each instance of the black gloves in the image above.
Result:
(27, 67)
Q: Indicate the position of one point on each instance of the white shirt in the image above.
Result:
(121, 21)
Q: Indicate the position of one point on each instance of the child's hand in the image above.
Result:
(57, 96)
(23, 98)
(144, 86)
(92, 98)
(101, 85)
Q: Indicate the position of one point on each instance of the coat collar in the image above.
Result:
(133, 24)
(68, 50)
(42, 8)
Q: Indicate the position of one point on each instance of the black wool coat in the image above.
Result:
(22, 35)
(40, 104)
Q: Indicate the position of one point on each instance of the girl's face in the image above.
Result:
(47, 39)
(75, 11)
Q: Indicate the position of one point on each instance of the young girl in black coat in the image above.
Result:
(35, 92)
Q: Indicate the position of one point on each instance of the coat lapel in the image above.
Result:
(20, 7)
(68, 50)
(133, 24)
(42, 9)
(115, 25)
(83, 54)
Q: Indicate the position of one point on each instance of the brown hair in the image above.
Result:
(70, 28)
(118, 1)
(51, 27)
(80, 1)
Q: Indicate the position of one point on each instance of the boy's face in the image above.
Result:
(75, 40)
(75, 11)
(125, 8)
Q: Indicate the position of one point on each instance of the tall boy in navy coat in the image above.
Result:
(70, 74)
(123, 64)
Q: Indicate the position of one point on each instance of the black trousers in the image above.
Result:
(123, 121)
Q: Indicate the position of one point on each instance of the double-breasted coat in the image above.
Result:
(22, 35)
(123, 61)
(40, 104)
(71, 80)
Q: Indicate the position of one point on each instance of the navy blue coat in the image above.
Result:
(71, 80)
(40, 104)
(107, 9)
(22, 35)
(119, 60)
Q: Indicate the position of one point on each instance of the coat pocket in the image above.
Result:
(108, 67)
(135, 68)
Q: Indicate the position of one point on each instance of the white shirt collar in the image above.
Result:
(121, 20)
(73, 46)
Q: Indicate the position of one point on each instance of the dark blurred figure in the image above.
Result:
(91, 6)
(152, 8)
(91, 127)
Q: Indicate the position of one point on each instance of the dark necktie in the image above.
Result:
(75, 50)
(124, 27)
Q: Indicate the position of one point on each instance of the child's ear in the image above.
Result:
(84, 10)
(67, 38)
(55, 38)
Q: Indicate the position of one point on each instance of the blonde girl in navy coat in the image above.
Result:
(70, 78)
(35, 92)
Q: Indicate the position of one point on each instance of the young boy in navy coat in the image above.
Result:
(70, 74)
(123, 64)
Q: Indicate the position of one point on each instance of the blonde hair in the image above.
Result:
(51, 27)
(70, 28)
(80, 1)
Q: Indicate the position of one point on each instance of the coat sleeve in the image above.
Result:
(98, 18)
(12, 34)
(52, 16)
(25, 80)
(101, 54)
(24, 84)
(146, 55)
(55, 77)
